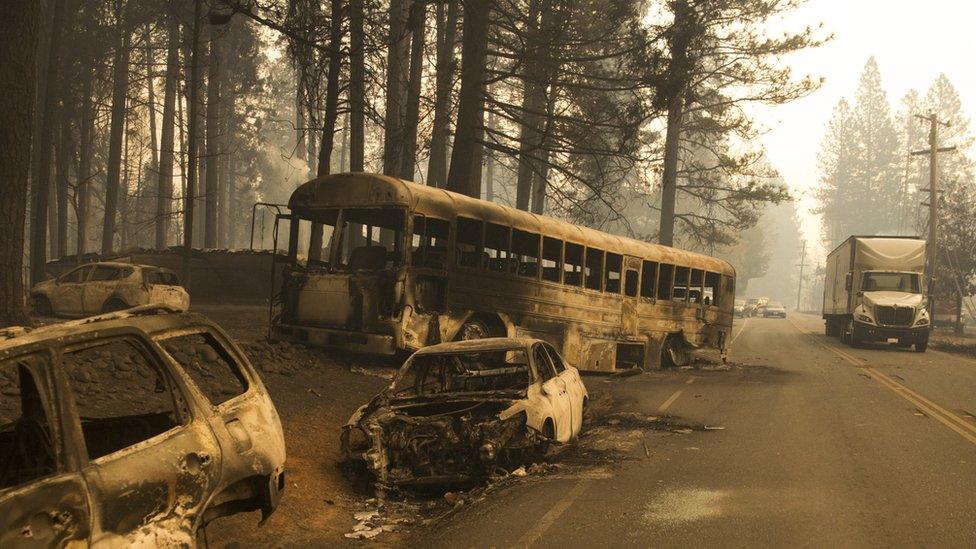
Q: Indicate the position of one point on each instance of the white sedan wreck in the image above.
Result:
(457, 412)
(105, 287)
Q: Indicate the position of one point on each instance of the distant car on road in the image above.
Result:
(458, 411)
(135, 428)
(772, 309)
(107, 286)
(740, 308)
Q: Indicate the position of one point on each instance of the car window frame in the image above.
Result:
(46, 383)
(542, 379)
(555, 358)
(145, 346)
(188, 381)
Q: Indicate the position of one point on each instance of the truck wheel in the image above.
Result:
(921, 345)
(850, 335)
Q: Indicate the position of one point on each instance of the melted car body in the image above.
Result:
(107, 286)
(133, 428)
(457, 412)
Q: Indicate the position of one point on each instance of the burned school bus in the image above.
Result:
(380, 265)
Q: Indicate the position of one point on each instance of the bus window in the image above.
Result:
(680, 288)
(614, 265)
(497, 247)
(469, 251)
(665, 278)
(552, 252)
(630, 283)
(648, 277)
(712, 290)
(594, 268)
(573, 265)
(383, 228)
(429, 244)
(525, 247)
(695, 288)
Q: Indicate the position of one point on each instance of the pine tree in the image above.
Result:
(836, 164)
(875, 169)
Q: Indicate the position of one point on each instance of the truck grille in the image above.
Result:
(894, 316)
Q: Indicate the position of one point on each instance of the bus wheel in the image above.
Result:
(477, 328)
(672, 353)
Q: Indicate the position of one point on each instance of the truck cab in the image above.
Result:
(873, 291)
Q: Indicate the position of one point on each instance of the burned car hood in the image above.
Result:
(439, 440)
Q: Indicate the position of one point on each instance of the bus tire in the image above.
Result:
(672, 355)
(479, 327)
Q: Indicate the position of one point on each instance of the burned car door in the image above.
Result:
(555, 391)
(66, 296)
(151, 457)
(240, 419)
(574, 386)
(101, 286)
(43, 500)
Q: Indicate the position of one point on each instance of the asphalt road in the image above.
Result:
(819, 445)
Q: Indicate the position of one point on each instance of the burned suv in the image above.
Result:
(132, 428)
(457, 412)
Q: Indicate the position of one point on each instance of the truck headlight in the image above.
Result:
(865, 318)
(922, 318)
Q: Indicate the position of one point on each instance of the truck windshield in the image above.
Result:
(890, 282)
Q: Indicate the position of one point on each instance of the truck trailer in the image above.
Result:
(874, 291)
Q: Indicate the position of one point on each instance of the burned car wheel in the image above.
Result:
(41, 306)
(114, 304)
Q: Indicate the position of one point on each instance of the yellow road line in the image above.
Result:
(940, 414)
(552, 515)
(667, 403)
(690, 380)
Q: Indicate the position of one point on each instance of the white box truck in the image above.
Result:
(873, 291)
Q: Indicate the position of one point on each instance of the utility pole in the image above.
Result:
(932, 244)
(799, 285)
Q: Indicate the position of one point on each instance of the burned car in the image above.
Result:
(132, 428)
(457, 412)
(105, 287)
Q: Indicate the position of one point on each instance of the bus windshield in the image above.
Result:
(890, 282)
(370, 239)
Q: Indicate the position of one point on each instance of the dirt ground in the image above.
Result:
(315, 393)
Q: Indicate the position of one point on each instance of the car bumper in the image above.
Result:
(871, 332)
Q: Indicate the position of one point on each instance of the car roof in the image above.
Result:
(150, 319)
(476, 345)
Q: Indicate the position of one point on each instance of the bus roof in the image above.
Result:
(370, 190)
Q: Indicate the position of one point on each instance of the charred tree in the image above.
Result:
(85, 134)
(41, 190)
(331, 115)
(18, 42)
(120, 84)
(357, 87)
(164, 186)
(446, 39)
(213, 141)
(418, 31)
(396, 88)
(465, 158)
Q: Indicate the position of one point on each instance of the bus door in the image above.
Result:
(630, 279)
